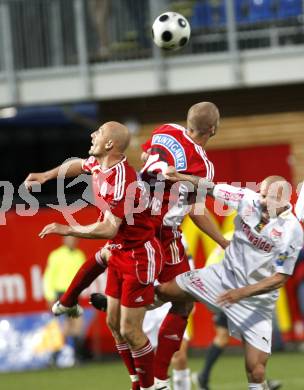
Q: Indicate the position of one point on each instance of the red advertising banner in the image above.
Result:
(24, 256)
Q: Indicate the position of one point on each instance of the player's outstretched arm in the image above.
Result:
(71, 168)
(106, 229)
(174, 176)
(264, 286)
(201, 217)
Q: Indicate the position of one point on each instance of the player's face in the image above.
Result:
(98, 143)
(272, 198)
(266, 200)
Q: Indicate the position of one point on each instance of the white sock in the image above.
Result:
(265, 384)
(160, 383)
(181, 379)
(258, 386)
(134, 378)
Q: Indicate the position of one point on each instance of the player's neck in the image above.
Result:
(199, 139)
(282, 210)
(110, 160)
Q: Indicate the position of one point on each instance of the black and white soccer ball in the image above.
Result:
(171, 31)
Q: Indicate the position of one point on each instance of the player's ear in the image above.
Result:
(212, 131)
(109, 145)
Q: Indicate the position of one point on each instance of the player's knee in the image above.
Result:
(132, 335)
(182, 308)
(179, 360)
(256, 372)
(222, 339)
(170, 291)
(128, 331)
(113, 323)
(163, 291)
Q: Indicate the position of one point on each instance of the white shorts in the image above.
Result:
(244, 321)
(152, 323)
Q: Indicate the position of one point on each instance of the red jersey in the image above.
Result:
(118, 190)
(170, 145)
(176, 148)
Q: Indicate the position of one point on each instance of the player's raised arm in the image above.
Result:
(230, 195)
(106, 229)
(201, 217)
(71, 168)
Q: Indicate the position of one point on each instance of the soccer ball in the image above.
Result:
(171, 31)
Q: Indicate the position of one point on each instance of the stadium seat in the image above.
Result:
(199, 15)
(289, 8)
(208, 13)
(241, 9)
(261, 11)
(254, 11)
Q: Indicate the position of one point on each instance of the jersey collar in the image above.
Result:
(113, 166)
(285, 214)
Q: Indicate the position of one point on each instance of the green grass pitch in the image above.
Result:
(228, 374)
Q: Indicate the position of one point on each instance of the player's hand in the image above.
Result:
(34, 178)
(99, 301)
(144, 157)
(230, 296)
(105, 254)
(54, 228)
(171, 174)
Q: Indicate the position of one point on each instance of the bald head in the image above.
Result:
(274, 179)
(276, 184)
(275, 194)
(118, 134)
(203, 118)
(111, 138)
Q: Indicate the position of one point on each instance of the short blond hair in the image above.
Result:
(203, 116)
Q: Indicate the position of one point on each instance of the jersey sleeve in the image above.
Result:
(146, 146)
(287, 259)
(230, 195)
(88, 164)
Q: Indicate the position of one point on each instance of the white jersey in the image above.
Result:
(251, 256)
(254, 255)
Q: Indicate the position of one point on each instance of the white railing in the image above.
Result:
(64, 34)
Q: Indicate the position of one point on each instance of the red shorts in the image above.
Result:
(170, 271)
(131, 274)
(176, 260)
(171, 241)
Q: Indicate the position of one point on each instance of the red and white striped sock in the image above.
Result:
(125, 354)
(169, 339)
(86, 274)
(144, 363)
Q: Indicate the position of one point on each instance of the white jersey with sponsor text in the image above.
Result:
(254, 255)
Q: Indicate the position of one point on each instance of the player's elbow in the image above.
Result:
(281, 279)
(111, 232)
(109, 235)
